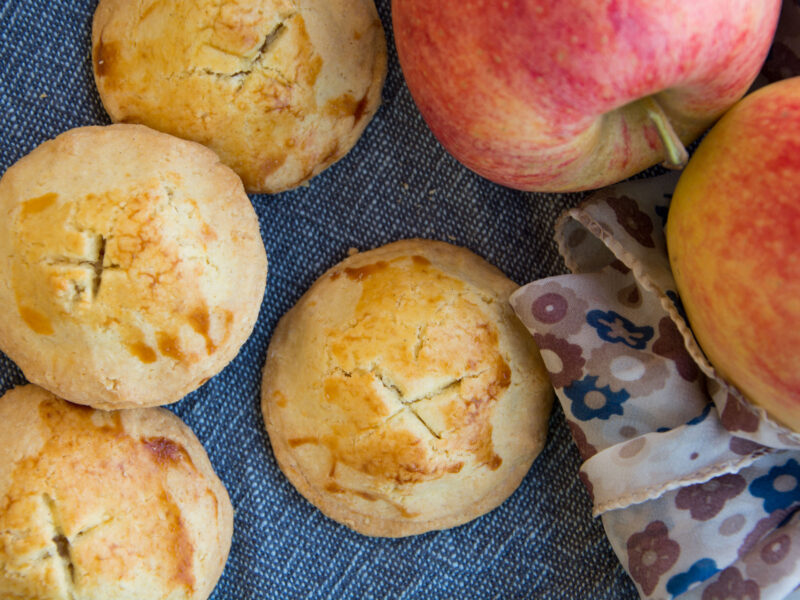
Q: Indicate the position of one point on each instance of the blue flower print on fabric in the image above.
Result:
(592, 402)
(702, 416)
(613, 327)
(780, 488)
(699, 571)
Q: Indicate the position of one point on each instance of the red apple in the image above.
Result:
(734, 245)
(566, 95)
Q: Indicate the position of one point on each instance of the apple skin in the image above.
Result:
(546, 95)
(733, 234)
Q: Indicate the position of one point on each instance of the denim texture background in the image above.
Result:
(396, 183)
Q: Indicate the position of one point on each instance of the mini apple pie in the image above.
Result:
(280, 89)
(131, 266)
(401, 394)
(121, 504)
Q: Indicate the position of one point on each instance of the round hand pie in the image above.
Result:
(95, 504)
(131, 266)
(280, 89)
(401, 394)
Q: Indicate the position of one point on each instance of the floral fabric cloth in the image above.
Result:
(697, 490)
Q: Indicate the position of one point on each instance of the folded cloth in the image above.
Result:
(697, 489)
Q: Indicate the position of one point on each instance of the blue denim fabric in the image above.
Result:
(398, 182)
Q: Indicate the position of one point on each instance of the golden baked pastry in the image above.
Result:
(401, 394)
(95, 504)
(131, 266)
(280, 89)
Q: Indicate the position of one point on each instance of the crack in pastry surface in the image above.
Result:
(62, 543)
(412, 382)
(102, 255)
(388, 393)
(90, 530)
(290, 82)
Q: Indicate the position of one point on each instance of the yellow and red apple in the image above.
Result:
(566, 95)
(733, 235)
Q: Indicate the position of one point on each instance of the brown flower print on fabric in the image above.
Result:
(730, 585)
(559, 307)
(704, 501)
(638, 225)
(763, 526)
(564, 361)
(550, 308)
(670, 345)
(584, 447)
(620, 367)
(651, 553)
(737, 416)
(630, 296)
(776, 550)
(774, 558)
(743, 447)
(732, 525)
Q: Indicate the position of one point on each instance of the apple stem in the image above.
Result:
(677, 156)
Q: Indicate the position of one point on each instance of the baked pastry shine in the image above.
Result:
(131, 266)
(401, 393)
(94, 504)
(280, 89)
